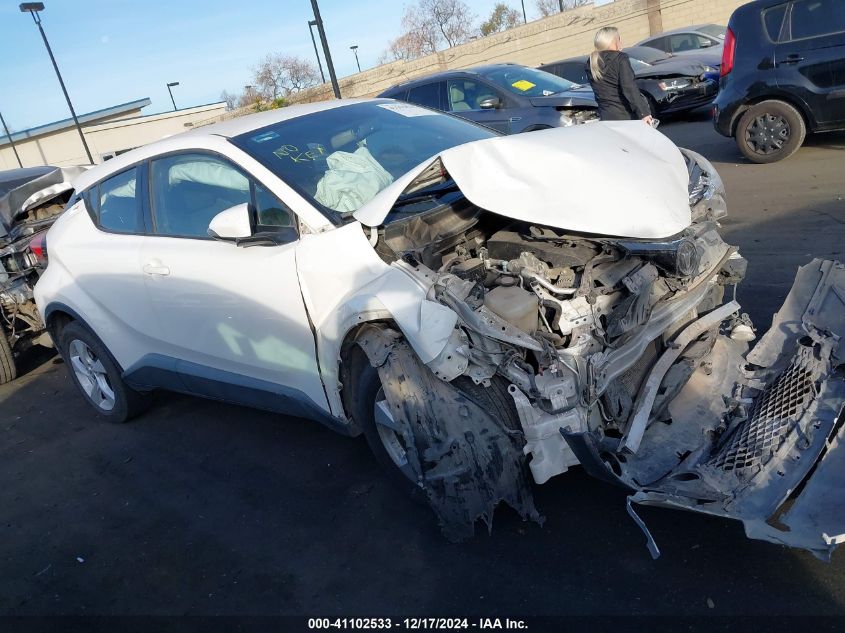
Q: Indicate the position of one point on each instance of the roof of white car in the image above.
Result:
(226, 129)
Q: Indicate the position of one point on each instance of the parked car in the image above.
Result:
(709, 58)
(673, 86)
(688, 40)
(30, 200)
(485, 309)
(505, 97)
(783, 74)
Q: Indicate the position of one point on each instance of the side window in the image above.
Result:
(270, 211)
(688, 42)
(467, 94)
(575, 71)
(660, 43)
(812, 18)
(773, 19)
(114, 203)
(188, 190)
(427, 95)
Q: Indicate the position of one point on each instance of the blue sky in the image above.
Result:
(113, 51)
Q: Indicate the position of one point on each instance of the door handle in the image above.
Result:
(791, 59)
(155, 267)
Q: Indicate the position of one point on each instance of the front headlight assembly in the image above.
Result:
(674, 84)
(706, 190)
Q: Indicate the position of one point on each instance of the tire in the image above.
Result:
(368, 393)
(770, 131)
(98, 376)
(8, 369)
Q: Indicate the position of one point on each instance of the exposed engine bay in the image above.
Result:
(26, 212)
(628, 357)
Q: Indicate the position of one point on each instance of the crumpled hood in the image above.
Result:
(617, 178)
(672, 68)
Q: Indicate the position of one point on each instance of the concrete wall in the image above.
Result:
(109, 134)
(559, 36)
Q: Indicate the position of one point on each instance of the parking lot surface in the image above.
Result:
(203, 508)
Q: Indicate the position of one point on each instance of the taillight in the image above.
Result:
(728, 51)
(38, 247)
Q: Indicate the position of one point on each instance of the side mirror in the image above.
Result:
(231, 224)
(490, 103)
(706, 43)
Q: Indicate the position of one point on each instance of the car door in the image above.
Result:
(465, 96)
(810, 57)
(229, 316)
(106, 264)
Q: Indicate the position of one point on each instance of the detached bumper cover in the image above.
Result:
(775, 459)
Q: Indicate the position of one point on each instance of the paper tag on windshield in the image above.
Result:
(523, 84)
(406, 109)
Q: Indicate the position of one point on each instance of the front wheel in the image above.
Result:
(8, 369)
(770, 131)
(97, 375)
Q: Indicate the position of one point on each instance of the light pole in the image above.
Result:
(326, 52)
(11, 142)
(311, 25)
(524, 16)
(355, 50)
(169, 86)
(33, 8)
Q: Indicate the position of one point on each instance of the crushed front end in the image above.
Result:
(629, 357)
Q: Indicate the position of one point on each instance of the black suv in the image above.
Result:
(783, 74)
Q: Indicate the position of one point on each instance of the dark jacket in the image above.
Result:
(616, 93)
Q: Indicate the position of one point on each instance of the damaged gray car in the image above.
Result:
(490, 311)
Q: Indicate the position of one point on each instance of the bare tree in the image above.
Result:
(281, 75)
(406, 47)
(430, 25)
(502, 18)
(550, 7)
(230, 99)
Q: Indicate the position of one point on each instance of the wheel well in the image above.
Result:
(786, 99)
(56, 322)
(352, 359)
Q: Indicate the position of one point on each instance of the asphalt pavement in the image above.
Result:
(203, 508)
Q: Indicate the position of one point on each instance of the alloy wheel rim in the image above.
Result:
(389, 432)
(768, 133)
(91, 375)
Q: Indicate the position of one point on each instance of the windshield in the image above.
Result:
(529, 82)
(339, 159)
(713, 30)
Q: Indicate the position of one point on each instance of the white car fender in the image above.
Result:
(344, 283)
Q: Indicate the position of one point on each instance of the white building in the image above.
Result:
(108, 132)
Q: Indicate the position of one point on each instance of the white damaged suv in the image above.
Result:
(487, 310)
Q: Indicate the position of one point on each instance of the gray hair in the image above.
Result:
(605, 37)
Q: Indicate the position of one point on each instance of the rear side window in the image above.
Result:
(812, 18)
(428, 95)
(773, 20)
(114, 203)
(660, 43)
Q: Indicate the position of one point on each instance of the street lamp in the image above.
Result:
(169, 86)
(311, 25)
(33, 9)
(524, 16)
(326, 52)
(11, 142)
(355, 50)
